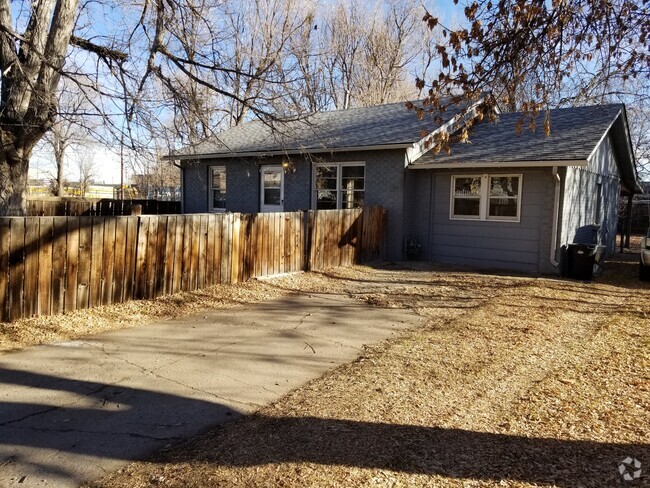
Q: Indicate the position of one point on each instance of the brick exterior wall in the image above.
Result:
(384, 180)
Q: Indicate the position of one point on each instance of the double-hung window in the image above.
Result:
(338, 185)
(218, 188)
(486, 197)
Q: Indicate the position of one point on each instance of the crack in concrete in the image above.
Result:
(58, 407)
(28, 416)
(171, 380)
(98, 432)
(196, 355)
(248, 384)
(338, 343)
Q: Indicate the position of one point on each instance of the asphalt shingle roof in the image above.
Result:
(365, 126)
(575, 132)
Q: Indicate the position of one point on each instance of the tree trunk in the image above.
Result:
(13, 185)
(58, 156)
(59, 181)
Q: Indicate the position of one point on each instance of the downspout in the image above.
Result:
(182, 195)
(556, 210)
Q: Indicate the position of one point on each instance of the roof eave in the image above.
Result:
(632, 185)
(287, 152)
(503, 164)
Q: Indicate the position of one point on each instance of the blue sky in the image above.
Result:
(100, 23)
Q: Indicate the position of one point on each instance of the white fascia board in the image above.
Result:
(502, 164)
(260, 154)
(419, 149)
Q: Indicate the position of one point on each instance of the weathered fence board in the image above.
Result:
(45, 266)
(108, 260)
(17, 269)
(97, 263)
(51, 265)
(59, 247)
(5, 247)
(30, 291)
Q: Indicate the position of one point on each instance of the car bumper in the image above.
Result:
(645, 257)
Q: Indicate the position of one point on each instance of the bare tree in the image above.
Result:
(70, 129)
(308, 52)
(369, 50)
(343, 51)
(87, 171)
(536, 55)
(31, 64)
(139, 64)
(640, 134)
(389, 47)
(155, 178)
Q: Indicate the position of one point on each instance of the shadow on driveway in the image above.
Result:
(144, 419)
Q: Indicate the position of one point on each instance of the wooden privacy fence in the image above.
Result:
(52, 265)
(105, 206)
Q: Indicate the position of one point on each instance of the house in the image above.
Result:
(503, 200)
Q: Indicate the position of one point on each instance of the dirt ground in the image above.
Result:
(514, 381)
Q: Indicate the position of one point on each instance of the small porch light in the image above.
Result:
(288, 166)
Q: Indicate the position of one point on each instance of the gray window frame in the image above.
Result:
(211, 169)
(339, 177)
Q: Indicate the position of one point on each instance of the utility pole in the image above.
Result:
(122, 168)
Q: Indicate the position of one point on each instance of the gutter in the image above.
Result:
(503, 164)
(261, 154)
(556, 211)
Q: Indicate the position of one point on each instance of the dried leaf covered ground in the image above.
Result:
(515, 381)
(40, 330)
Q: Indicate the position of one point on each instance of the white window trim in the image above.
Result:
(339, 193)
(262, 170)
(485, 198)
(210, 197)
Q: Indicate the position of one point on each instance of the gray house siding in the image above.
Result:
(522, 246)
(591, 196)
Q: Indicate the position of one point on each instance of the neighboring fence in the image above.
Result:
(105, 206)
(52, 265)
(640, 216)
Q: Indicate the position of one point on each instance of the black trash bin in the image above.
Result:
(582, 258)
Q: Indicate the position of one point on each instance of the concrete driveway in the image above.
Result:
(73, 411)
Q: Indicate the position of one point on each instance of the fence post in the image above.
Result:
(361, 257)
(308, 230)
(383, 229)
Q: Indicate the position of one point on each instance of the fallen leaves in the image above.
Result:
(511, 377)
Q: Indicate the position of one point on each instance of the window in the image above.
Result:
(467, 197)
(218, 188)
(338, 185)
(486, 197)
